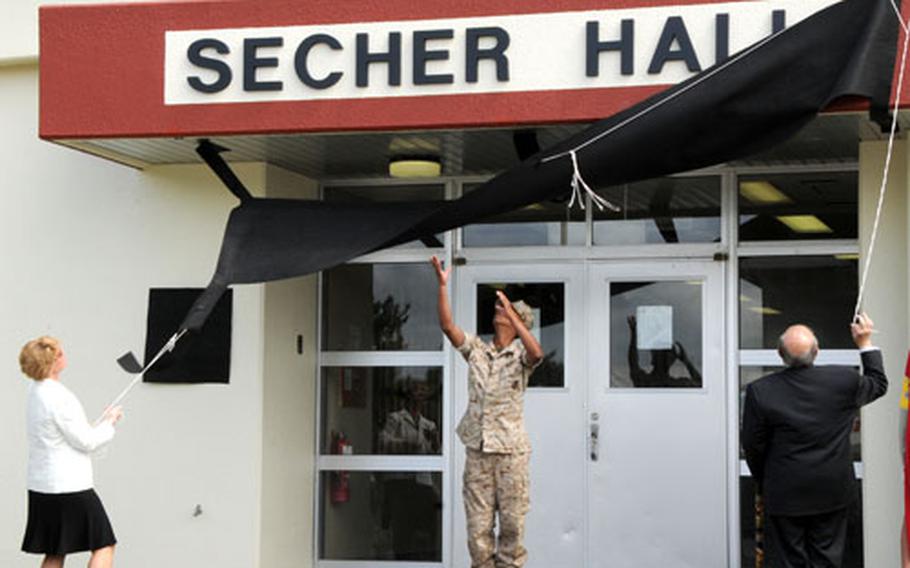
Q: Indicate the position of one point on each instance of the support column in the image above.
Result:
(886, 301)
(289, 404)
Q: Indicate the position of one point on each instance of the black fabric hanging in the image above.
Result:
(749, 103)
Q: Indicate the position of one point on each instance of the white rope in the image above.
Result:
(886, 170)
(657, 104)
(168, 347)
(578, 182)
(900, 18)
(580, 187)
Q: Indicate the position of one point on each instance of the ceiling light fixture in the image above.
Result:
(415, 167)
(765, 310)
(805, 224)
(762, 192)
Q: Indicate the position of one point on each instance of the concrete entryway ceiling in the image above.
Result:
(830, 138)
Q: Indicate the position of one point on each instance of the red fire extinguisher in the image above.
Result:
(339, 484)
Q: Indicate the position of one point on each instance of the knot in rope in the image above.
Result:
(580, 187)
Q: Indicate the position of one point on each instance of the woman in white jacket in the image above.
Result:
(64, 512)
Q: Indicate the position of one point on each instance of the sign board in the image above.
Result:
(654, 327)
(223, 68)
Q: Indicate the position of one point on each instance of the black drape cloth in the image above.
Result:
(746, 104)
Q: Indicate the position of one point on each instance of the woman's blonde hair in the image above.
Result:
(38, 356)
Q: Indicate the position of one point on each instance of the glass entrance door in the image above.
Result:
(627, 415)
(656, 418)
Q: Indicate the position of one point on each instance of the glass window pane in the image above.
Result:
(539, 224)
(656, 333)
(748, 374)
(776, 292)
(801, 206)
(853, 550)
(381, 516)
(384, 193)
(388, 194)
(381, 410)
(664, 210)
(380, 307)
(547, 301)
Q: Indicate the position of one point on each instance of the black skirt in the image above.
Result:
(62, 523)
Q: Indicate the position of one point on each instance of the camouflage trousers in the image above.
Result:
(496, 483)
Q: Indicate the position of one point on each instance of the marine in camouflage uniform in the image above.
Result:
(496, 478)
(497, 448)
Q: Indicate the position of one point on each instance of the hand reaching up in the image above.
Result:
(862, 329)
(442, 275)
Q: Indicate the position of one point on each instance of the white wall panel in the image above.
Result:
(81, 242)
(886, 301)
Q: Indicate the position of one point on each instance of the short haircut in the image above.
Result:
(38, 356)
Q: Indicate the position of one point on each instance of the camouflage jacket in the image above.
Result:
(497, 380)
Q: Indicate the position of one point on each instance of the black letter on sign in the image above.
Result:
(778, 21)
(194, 54)
(422, 55)
(303, 51)
(625, 45)
(251, 63)
(722, 38)
(497, 53)
(365, 59)
(674, 31)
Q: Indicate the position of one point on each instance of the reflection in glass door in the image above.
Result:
(382, 417)
(655, 330)
(657, 465)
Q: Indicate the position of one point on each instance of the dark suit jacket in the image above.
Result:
(796, 433)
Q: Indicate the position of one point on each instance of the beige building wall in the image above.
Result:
(289, 405)
(19, 27)
(886, 301)
(82, 240)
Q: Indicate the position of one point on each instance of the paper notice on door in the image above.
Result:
(654, 327)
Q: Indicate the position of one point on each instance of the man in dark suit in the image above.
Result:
(796, 435)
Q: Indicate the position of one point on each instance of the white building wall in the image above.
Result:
(19, 27)
(886, 301)
(81, 241)
(289, 405)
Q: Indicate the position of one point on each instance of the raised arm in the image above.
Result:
(634, 366)
(446, 322)
(681, 354)
(532, 347)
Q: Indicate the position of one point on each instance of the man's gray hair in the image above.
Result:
(793, 360)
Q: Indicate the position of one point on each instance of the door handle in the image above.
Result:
(594, 441)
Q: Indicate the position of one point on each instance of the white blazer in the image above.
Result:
(60, 439)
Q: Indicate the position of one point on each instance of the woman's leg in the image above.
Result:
(52, 561)
(102, 558)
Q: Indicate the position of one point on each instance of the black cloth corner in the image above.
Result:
(273, 239)
(749, 103)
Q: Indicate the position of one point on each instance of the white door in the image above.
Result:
(650, 490)
(554, 404)
(656, 416)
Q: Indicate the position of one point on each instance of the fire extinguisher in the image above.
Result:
(339, 484)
